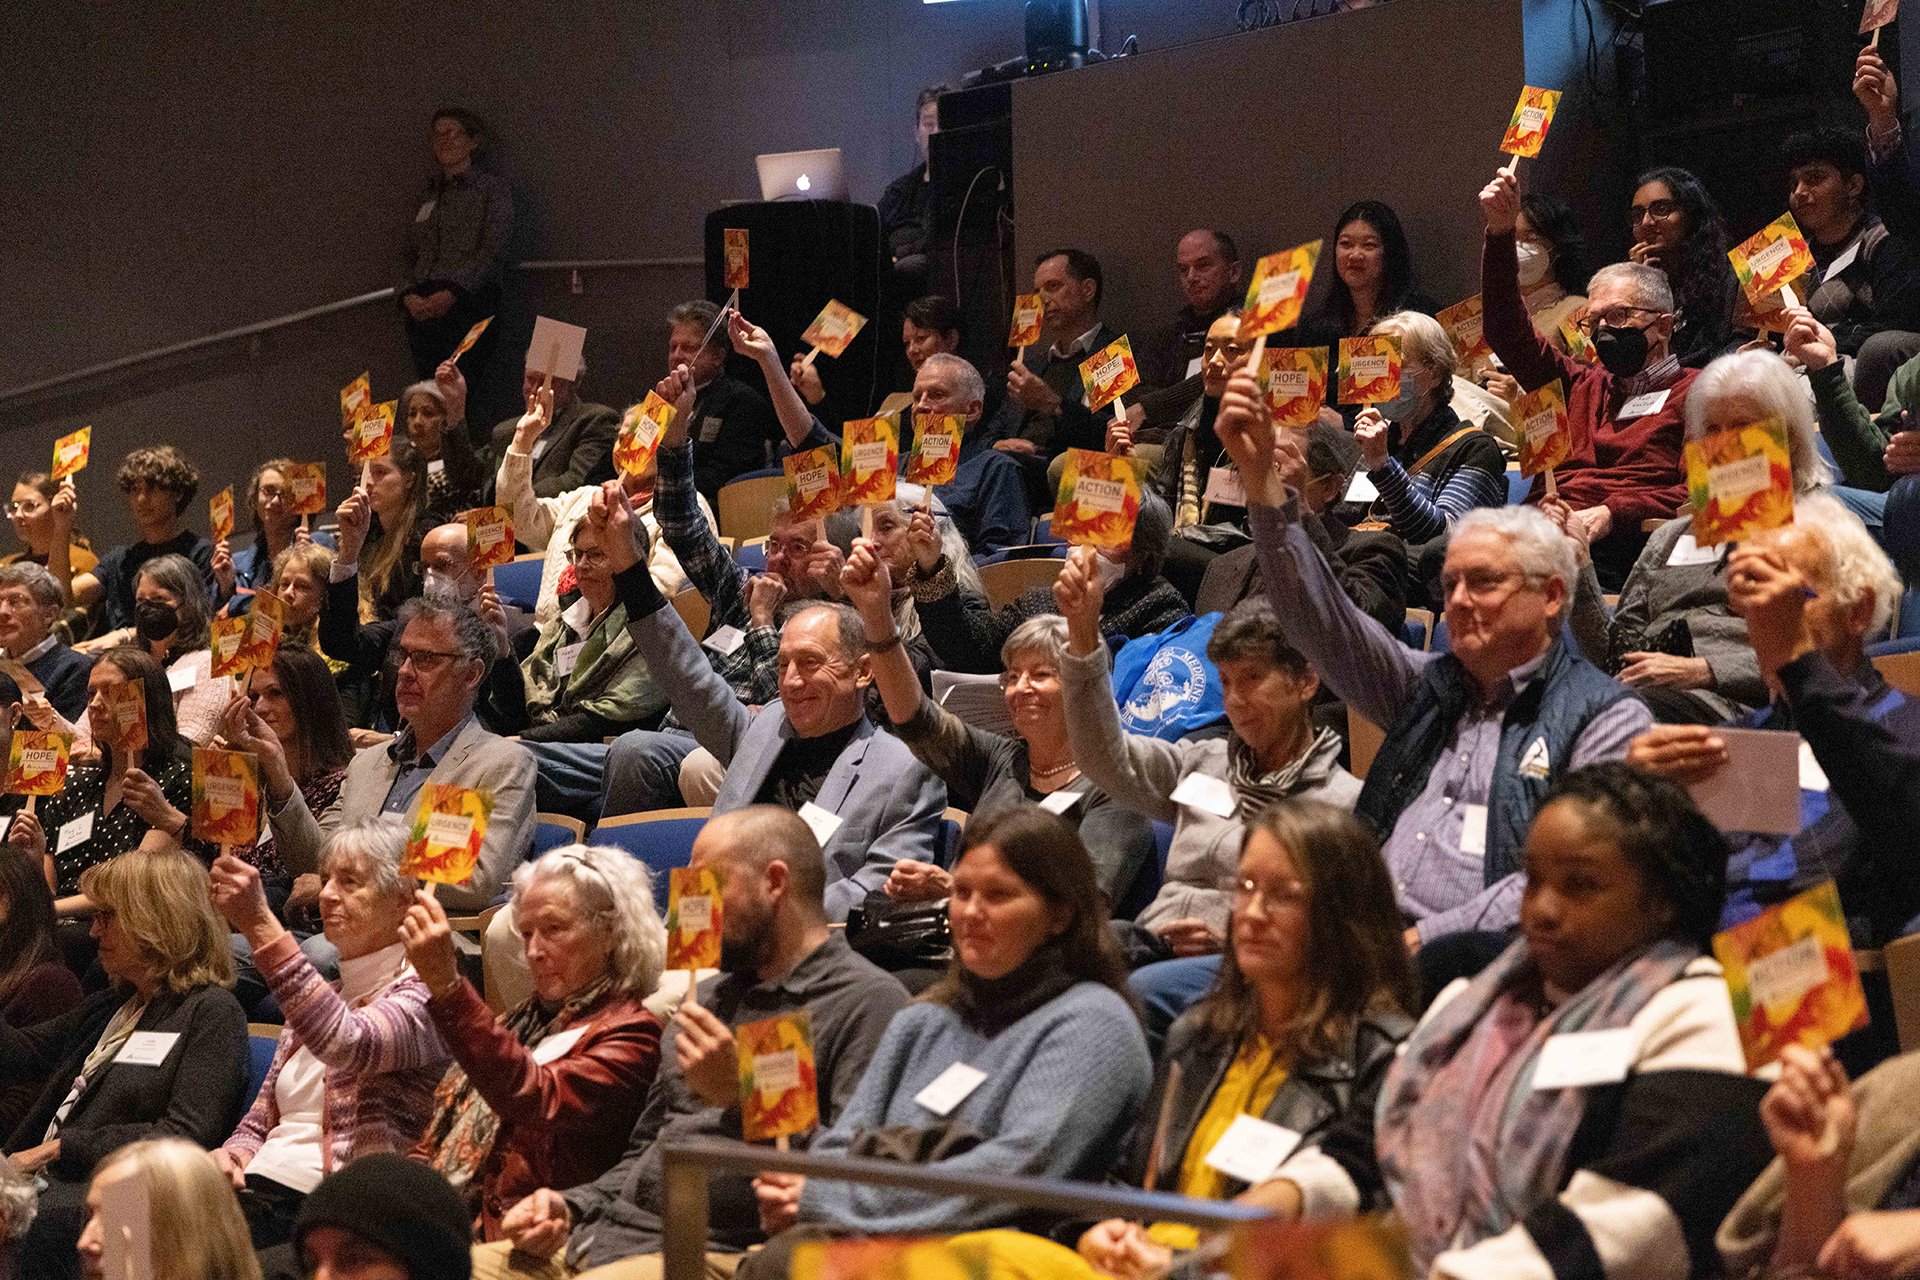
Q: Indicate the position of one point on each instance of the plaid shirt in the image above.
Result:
(749, 669)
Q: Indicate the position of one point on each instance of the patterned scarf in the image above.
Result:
(464, 1126)
(1467, 1146)
(1255, 790)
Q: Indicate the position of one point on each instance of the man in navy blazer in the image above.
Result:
(869, 802)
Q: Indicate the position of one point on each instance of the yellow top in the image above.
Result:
(1252, 1080)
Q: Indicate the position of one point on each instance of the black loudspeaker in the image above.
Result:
(1056, 35)
(801, 254)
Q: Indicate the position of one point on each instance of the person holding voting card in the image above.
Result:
(356, 1066)
(433, 415)
(1625, 412)
(732, 425)
(42, 513)
(161, 1052)
(1474, 737)
(986, 496)
(575, 444)
(778, 959)
(268, 506)
(931, 325)
(1026, 1059)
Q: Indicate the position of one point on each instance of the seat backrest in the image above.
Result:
(1901, 670)
(1902, 960)
(1011, 579)
(518, 580)
(662, 840)
(693, 610)
(555, 831)
(745, 508)
(1363, 743)
(263, 1041)
(751, 555)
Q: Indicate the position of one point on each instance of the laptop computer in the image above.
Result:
(802, 175)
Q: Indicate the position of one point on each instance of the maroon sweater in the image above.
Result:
(1632, 468)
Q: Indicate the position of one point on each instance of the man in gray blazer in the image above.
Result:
(444, 649)
(869, 802)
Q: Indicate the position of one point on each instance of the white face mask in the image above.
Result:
(436, 583)
(1534, 263)
(1108, 572)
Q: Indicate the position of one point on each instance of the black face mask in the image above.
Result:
(1623, 352)
(155, 620)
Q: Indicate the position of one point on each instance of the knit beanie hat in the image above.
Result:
(398, 1205)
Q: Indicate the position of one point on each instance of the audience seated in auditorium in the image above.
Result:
(165, 956)
(1372, 278)
(1035, 1000)
(195, 1230)
(388, 553)
(1553, 264)
(1859, 808)
(158, 483)
(814, 751)
(269, 509)
(1207, 263)
(985, 772)
(987, 497)
(575, 444)
(585, 680)
(903, 530)
(382, 1216)
(30, 605)
(456, 246)
(356, 1065)
(1494, 1177)
(1672, 637)
(546, 1094)
(444, 650)
(433, 413)
(777, 957)
(930, 325)
(34, 986)
(43, 513)
(1312, 999)
(301, 576)
(733, 423)
(1677, 228)
(1474, 737)
(1625, 411)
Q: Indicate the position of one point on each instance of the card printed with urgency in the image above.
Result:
(489, 536)
(1369, 369)
(449, 828)
(869, 460)
(226, 796)
(1278, 291)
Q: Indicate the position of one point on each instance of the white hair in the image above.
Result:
(1769, 382)
(614, 891)
(1543, 551)
(1856, 566)
(967, 378)
(1649, 285)
(376, 845)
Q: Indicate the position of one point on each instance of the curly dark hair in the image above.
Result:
(1555, 223)
(163, 467)
(1680, 855)
(1701, 287)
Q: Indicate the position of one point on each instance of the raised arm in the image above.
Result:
(796, 419)
(1509, 330)
(513, 485)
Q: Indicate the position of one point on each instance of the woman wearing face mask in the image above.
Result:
(1678, 228)
(455, 476)
(171, 608)
(390, 559)
(1554, 265)
(43, 512)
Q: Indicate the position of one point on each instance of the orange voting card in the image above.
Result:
(226, 796)
(1369, 369)
(936, 448)
(735, 239)
(268, 619)
(355, 397)
(778, 1094)
(1296, 379)
(1772, 258)
(473, 336)
(220, 514)
(229, 645)
(1029, 319)
(693, 918)
(813, 483)
(70, 453)
(1791, 974)
(1098, 501)
(898, 1258)
(489, 536)
(307, 488)
(1278, 291)
(449, 826)
(1740, 482)
(1370, 1248)
(869, 460)
(371, 435)
(1532, 117)
(37, 762)
(1462, 321)
(126, 726)
(834, 328)
(1767, 315)
(640, 430)
(1878, 14)
(1109, 374)
(1546, 433)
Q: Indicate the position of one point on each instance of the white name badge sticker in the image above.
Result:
(1057, 802)
(181, 679)
(1225, 487)
(950, 1088)
(725, 640)
(1687, 552)
(1473, 828)
(1362, 489)
(146, 1048)
(1251, 1149)
(436, 466)
(1578, 1058)
(1642, 405)
(556, 1047)
(74, 833)
(819, 821)
(568, 657)
(1812, 776)
(426, 211)
(1206, 793)
(1193, 366)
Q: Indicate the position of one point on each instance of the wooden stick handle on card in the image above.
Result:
(780, 1143)
(30, 800)
(1787, 294)
(1119, 409)
(1553, 490)
(811, 357)
(693, 989)
(1873, 41)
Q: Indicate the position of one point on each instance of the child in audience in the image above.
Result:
(276, 530)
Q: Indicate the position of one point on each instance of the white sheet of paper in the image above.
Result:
(572, 340)
(974, 698)
(1473, 829)
(1252, 1148)
(1362, 489)
(1057, 802)
(181, 679)
(74, 833)
(1688, 552)
(555, 1047)
(1193, 366)
(1576, 1058)
(950, 1088)
(1642, 405)
(725, 640)
(1812, 776)
(819, 821)
(568, 657)
(1759, 790)
(146, 1048)
(126, 1229)
(1206, 793)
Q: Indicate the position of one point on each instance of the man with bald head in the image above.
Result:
(1207, 263)
(777, 956)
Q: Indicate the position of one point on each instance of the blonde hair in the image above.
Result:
(310, 556)
(198, 1231)
(160, 897)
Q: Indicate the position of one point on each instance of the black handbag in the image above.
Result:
(898, 935)
(1675, 639)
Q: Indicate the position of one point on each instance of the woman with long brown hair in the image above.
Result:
(390, 560)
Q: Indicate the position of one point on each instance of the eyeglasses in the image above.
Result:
(590, 559)
(1481, 584)
(1654, 211)
(1279, 893)
(1613, 318)
(427, 661)
(25, 509)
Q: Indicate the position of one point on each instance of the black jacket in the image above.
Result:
(579, 448)
(1370, 566)
(731, 426)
